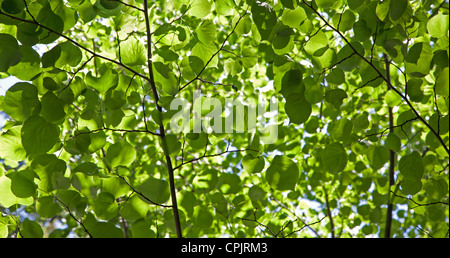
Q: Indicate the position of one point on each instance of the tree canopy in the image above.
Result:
(323, 118)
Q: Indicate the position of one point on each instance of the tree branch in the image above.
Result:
(151, 81)
(387, 229)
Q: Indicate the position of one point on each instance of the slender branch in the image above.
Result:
(151, 81)
(298, 218)
(142, 195)
(80, 222)
(209, 156)
(329, 212)
(115, 130)
(73, 77)
(419, 204)
(387, 229)
(129, 5)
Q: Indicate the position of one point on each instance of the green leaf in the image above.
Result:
(253, 164)
(249, 57)
(31, 229)
(107, 79)
(341, 130)
(244, 26)
(336, 97)
(316, 44)
(265, 19)
(393, 99)
(22, 183)
(393, 142)
(414, 90)
(29, 66)
(70, 55)
(191, 67)
(121, 154)
(114, 99)
(47, 207)
(165, 78)
(87, 168)
(442, 85)
(292, 82)
(13, 6)
(410, 186)
(419, 59)
(9, 51)
(197, 141)
(157, 190)
(324, 4)
(101, 229)
(11, 144)
(173, 145)
(362, 31)
(297, 108)
(378, 156)
(336, 76)
(382, 9)
(202, 217)
(4, 230)
(257, 196)
(282, 173)
(293, 18)
(205, 52)
(229, 183)
(52, 107)
(411, 166)
(206, 33)
(205, 181)
(38, 135)
(7, 198)
(200, 8)
(283, 42)
(347, 58)
(105, 206)
(141, 229)
(72, 200)
(291, 4)
(334, 158)
(438, 26)
(397, 8)
(108, 4)
(345, 21)
(132, 52)
(50, 171)
(52, 21)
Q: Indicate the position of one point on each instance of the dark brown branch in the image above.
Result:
(151, 81)
(80, 222)
(209, 156)
(329, 212)
(115, 130)
(129, 5)
(388, 226)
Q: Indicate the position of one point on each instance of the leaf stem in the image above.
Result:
(173, 193)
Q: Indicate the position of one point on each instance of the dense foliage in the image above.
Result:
(362, 124)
